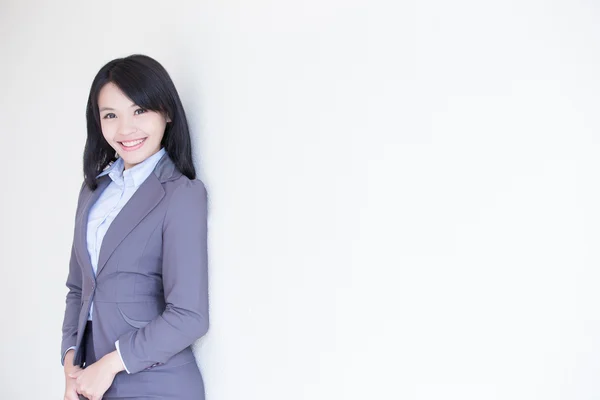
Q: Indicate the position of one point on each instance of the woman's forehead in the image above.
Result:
(111, 97)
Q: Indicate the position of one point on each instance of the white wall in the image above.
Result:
(404, 196)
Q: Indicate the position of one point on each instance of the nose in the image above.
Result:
(126, 127)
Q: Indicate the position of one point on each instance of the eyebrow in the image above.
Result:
(112, 109)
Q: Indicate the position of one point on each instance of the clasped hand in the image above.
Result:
(94, 380)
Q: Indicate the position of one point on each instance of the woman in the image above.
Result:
(138, 290)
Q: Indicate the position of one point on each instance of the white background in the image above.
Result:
(404, 196)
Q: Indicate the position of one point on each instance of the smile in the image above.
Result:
(132, 144)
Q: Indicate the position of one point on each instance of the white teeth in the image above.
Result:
(132, 143)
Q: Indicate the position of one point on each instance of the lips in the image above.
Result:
(131, 145)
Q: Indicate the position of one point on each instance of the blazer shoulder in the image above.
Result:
(185, 184)
(80, 196)
(184, 190)
(187, 200)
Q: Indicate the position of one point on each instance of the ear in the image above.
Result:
(168, 119)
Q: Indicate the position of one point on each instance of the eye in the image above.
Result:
(109, 116)
(139, 109)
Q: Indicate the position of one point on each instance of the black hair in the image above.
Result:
(146, 82)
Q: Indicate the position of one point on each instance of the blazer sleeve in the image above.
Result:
(185, 284)
(73, 298)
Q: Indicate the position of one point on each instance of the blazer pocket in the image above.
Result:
(136, 323)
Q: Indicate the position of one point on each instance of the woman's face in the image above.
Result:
(134, 133)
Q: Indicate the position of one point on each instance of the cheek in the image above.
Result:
(154, 126)
(108, 131)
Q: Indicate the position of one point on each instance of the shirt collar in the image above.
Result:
(135, 175)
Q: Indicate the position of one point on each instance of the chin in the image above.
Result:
(134, 159)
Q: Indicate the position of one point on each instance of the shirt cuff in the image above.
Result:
(62, 360)
(119, 351)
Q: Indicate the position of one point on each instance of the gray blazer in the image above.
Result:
(151, 287)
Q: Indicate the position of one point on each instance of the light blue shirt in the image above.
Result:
(124, 184)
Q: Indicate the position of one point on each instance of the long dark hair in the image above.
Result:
(146, 82)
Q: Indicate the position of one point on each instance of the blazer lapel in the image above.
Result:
(146, 197)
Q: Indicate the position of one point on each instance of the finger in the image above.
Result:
(75, 374)
(84, 395)
(71, 396)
